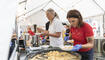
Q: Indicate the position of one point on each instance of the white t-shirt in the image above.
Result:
(56, 26)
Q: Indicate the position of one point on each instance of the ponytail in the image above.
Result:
(56, 15)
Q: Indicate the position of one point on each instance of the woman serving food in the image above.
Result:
(55, 29)
(82, 34)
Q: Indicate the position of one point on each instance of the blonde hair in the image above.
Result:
(52, 11)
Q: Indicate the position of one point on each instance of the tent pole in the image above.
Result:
(103, 22)
(98, 5)
(76, 3)
(16, 27)
(59, 6)
(22, 2)
(47, 4)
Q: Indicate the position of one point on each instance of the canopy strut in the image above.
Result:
(32, 9)
(58, 6)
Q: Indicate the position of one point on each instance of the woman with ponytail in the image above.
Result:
(55, 29)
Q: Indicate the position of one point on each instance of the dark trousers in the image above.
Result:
(11, 48)
(10, 51)
(86, 55)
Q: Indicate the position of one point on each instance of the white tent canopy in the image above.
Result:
(87, 8)
(28, 10)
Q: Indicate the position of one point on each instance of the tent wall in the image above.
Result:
(38, 18)
(7, 24)
(96, 22)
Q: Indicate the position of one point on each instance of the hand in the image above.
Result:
(66, 38)
(45, 32)
(67, 33)
(40, 29)
(44, 40)
(77, 47)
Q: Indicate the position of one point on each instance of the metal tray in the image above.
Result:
(31, 55)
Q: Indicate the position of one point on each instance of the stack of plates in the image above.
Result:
(67, 47)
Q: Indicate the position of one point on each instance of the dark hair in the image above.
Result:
(64, 24)
(75, 14)
(51, 10)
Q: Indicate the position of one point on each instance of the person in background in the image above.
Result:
(104, 34)
(30, 31)
(67, 32)
(12, 44)
(55, 29)
(82, 34)
(46, 38)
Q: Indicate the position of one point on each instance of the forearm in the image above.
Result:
(90, 42)
(88, 45)
(54, 35)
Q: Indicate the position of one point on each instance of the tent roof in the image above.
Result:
(86, 7)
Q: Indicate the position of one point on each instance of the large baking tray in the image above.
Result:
(31, 55)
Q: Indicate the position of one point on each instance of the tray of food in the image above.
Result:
(53, 54)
